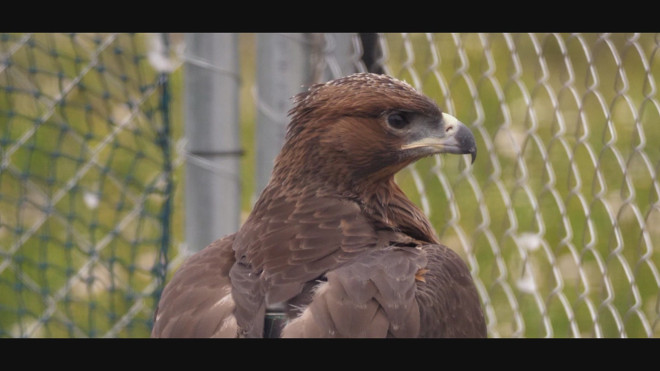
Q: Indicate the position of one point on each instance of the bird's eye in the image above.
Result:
(397, 120)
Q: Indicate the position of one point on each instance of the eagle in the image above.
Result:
(333, 247)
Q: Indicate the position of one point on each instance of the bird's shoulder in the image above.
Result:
(422, 291)
(448, 297)
(197, 300)
(306, 230)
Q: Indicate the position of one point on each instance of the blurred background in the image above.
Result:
(122, 154)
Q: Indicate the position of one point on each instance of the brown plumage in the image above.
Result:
(332, 237)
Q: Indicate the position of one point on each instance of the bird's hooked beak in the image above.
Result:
(452, 137)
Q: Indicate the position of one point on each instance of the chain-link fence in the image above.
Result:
(85, 184)
(557, 219)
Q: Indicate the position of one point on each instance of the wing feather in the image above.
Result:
(372, 296)
(197, 302)
(303, 237)
(448, 300)
(378, 294)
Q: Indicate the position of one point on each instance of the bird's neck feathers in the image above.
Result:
(382, 201)
(388, 205)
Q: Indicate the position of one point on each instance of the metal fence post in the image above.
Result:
(342, 55)
(212, 189)
(286, 65)
(282, 72)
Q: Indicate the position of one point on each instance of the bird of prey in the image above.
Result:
(333, 247)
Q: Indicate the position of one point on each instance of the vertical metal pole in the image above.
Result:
(342, 57)
(371, 52)
(284, 68)
(282, 72)
(212, 189)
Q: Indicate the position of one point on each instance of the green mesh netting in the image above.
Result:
(85, 184)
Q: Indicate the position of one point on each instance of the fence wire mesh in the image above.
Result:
(85, 185)
(557, 218)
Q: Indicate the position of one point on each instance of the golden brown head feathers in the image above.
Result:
(365, 95)
(362, 129)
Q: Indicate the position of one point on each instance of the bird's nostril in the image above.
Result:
(450, 122)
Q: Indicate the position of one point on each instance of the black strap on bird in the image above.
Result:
(274, 322)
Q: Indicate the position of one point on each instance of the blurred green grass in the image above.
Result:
(82, 189)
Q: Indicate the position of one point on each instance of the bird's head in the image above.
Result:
(366, 127)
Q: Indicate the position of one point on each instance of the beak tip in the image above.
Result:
(473, 153)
